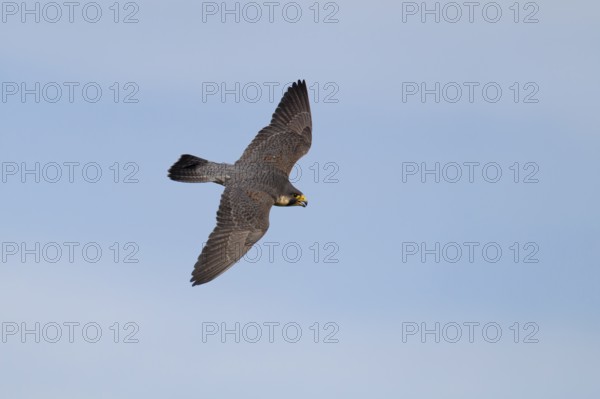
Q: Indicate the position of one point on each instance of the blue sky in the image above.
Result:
(345, 262)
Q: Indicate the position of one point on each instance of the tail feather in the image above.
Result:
(192, 169)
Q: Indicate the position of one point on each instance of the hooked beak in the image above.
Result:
(302, 201)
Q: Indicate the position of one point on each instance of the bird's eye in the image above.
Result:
(295, 195)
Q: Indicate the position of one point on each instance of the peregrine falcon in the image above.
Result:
(254, 183)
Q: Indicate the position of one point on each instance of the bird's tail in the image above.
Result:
(191, 169)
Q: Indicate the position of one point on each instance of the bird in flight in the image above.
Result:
(253, 184)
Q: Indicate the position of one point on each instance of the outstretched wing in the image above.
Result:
(289, 135)
(242, 219)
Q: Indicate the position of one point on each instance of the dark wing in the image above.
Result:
(242, 219)
(289, 135)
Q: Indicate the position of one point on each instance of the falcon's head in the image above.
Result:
(298, 199)
(293, 198)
